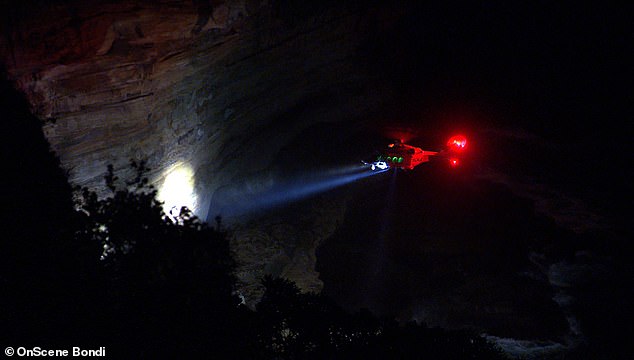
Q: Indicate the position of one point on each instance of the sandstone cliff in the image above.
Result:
(212, 90)
(215, 87)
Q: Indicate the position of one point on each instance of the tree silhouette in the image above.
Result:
(294, 325)
(161, 274)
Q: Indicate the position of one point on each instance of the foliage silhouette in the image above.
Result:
(161, 274)
(295, 325)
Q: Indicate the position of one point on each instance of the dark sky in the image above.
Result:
(567, 68)
(560, 71)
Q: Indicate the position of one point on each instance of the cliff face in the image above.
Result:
(213, 88)
(207, 92)
(112, 82)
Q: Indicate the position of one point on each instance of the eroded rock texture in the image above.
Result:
(284, 244)
(218, 87)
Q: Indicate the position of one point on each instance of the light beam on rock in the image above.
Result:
(178, 189)
(243, 200)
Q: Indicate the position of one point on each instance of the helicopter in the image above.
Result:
(403, 156)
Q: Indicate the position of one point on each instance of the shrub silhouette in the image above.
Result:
(159, 274)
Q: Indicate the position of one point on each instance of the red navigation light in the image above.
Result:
(457, 142)
(453, 162)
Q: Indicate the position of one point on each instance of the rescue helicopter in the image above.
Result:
(403, 156)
